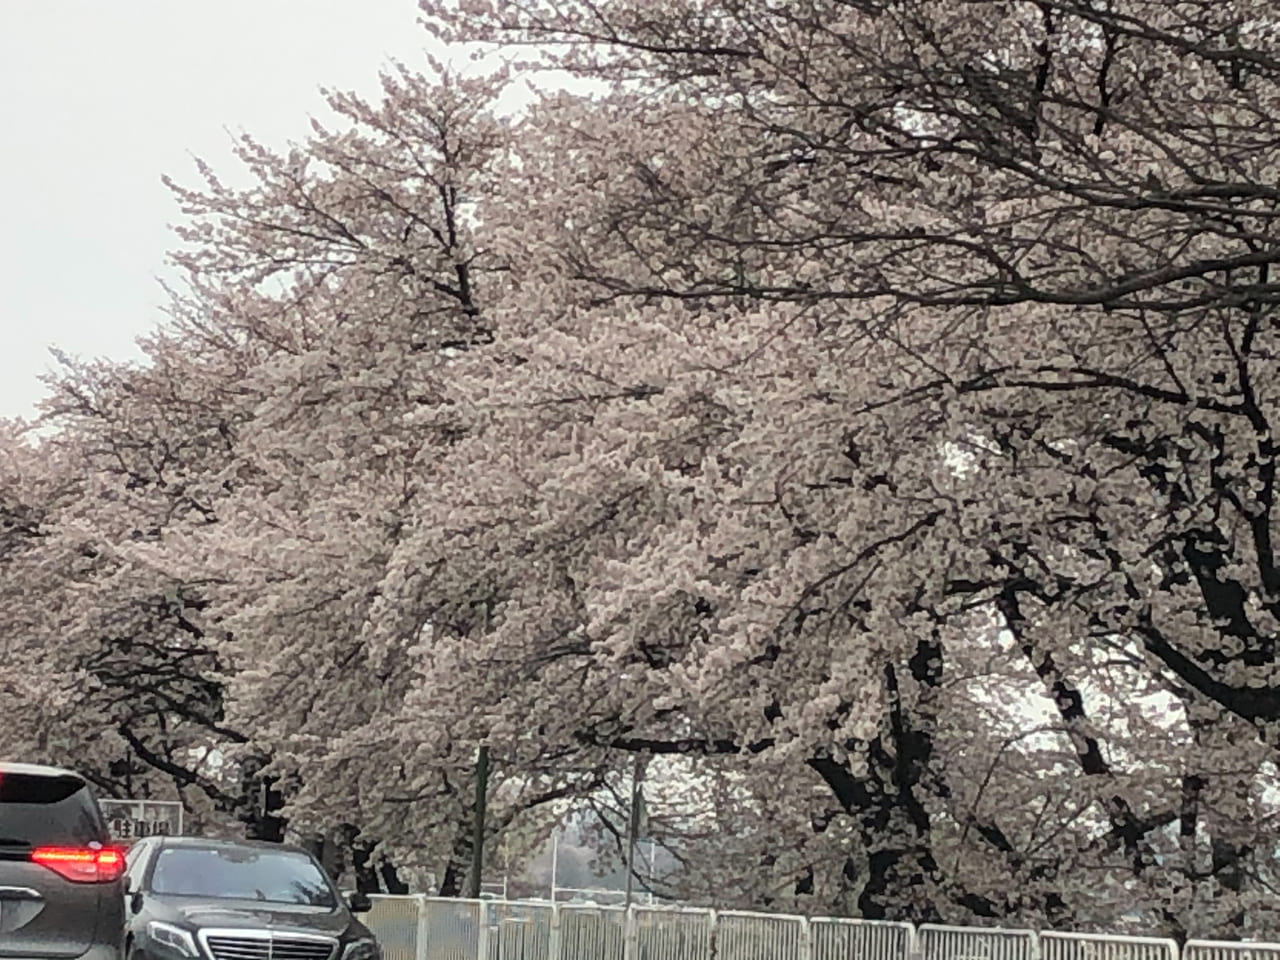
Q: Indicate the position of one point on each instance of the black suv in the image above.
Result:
(191, 897)
(61, 892)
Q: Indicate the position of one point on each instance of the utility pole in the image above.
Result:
(477, 841)
(555, 860)
(634, 825)
(482, 794)
(653, 851)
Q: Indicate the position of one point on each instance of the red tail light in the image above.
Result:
(81, 864)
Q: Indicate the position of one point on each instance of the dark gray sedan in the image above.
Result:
(190, 898)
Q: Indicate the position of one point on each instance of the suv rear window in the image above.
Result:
(47, 811)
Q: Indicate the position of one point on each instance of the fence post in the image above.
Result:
(806, 940)
(553, 937)
(629, 934)
(713, 937)
(424, 927)
(482, 931)
(914, 950)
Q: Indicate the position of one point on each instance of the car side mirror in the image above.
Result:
(359, 902)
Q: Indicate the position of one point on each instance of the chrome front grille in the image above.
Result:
(265, 945)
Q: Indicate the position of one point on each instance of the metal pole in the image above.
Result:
(482, 794)
(477, 840)
(652, 850)
(555, 861)
(632, 825)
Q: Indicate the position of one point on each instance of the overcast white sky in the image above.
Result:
(102, 97)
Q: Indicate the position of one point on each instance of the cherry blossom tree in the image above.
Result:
(332, 294)
(859, 413)
(106, 692)
(1005, 273)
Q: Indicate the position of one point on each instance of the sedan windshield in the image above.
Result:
(229, 873)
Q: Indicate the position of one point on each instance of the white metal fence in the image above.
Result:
(975, 943)
(1217, 950)
(434, 928)
(1079, 946)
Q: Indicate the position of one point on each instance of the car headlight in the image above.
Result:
(362, 950)
(175, 938)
